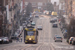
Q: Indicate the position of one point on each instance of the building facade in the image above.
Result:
(73, 8)
(56, 7)
(13, 15)
(9, 14)
(70, 8)
(3, 18)
(62, 7)
(37, 4)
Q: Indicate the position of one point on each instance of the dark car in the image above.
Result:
(55, 25)
(36, 16)
(52, 21)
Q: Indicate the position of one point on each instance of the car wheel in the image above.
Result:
(55, 41)
(61, 41)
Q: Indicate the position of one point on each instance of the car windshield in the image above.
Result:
(30, 33)
(5, 38)
(55, 24)
(33, 22)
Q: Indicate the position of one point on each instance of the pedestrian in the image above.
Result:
(21, 38)
(17, 39)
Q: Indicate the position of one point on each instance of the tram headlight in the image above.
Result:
(30, 38)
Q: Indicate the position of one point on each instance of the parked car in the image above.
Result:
(13, 37)
(55, 25)
(65, 35)
(70, 40)
(58, 38)
(6, 40)
(1, 40)
(62, 26)
(73, 41)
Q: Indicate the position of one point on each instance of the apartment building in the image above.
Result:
(9, 14)
(70, 8)
(56, 7)
(62, 6)
(3, 18)
(39, 4)
(73, 8)
(13, 11)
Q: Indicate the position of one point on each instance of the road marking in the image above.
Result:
(46, 43)
(65, 47)
(51, 47)
(38, 47)
(25, 47)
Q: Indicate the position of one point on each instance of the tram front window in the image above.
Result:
(30, 33)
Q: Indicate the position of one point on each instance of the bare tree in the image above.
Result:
(28, 9)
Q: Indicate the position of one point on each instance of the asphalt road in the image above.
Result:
(45, 38)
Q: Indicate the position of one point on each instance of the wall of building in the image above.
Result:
(73, 7)
(9, 10)
(62, 7)
(39, 4)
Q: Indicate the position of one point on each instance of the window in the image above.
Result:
(40, 3)
(26, 3)
(33, 3)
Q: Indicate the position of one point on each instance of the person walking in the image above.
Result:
(21, 38)
(17, 39)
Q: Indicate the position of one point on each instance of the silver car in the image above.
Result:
(39, 27)
(5, 40)
(58, 39)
